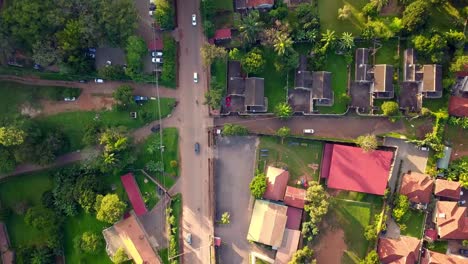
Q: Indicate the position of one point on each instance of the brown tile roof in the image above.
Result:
(451, 220)
(267, 223)
(432, 257)
(294, 218)
(402, 251)
(362, 58)
(7, 256)
(295, 197)
(288, 247)
(448, 189)
(254, 91)
(432, 78)
(383, 78)
(458, 106)
(241, 4)
(277, 180)
(417, 186)
(409, 69)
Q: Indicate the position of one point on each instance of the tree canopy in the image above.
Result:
(258, 185)
(109, 208)
(390, 108)
(367, 142)
(253, 62)
(283, 110)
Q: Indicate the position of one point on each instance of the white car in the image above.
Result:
(308, 131)
(194, 20)
(157, 60)
(156, 54)
(98, 80)
(151, 12)
(69, 99)
(195, 77)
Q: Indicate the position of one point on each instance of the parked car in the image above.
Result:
(152, 6)
(83, 81)
(197, 148)
(37, 66)
(155, 128)
(98, 80)
(69, 99)
(157, 60)
(308, 131)
(188, 238)
(194, 20)
(156, 54)
(151, 12)
(463, 252)
(424, 148)
(195, 77)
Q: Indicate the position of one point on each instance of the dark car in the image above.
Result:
(83, 81)
(155, 128)
(463, 252)
(197, 148)
(152, 7)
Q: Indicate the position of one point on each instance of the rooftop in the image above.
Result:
(362, 67)
(288, 247)
(383, 78)
(133, 193)
(447, 189)
(156, 44)
(451, 220)
(432, 78)
(294, 218)
(458, 106)
(267, 223)
(277, 180)
(223, 33)
(402, 251)
(295, 197)
(418, 187)
(432, 257)
(410, 97)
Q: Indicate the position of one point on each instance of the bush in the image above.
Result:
(234, 130)
(367, 143)
(174, 164)
(258, 185)
(170, 60)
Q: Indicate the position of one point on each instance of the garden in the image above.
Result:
(413, 224)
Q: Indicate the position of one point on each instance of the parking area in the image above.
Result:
(234, 168)
(360, 96)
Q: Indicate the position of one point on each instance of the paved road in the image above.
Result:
(348, 127)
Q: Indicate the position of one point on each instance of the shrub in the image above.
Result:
(258, 185)
(174, 164)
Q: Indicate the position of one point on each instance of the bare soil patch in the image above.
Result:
(331, 247)
(391, 9)
(86, 102)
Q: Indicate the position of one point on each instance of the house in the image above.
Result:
(268, 223)
(310, 88)
(294, 3)
(350, 168)
(458, 106)
(277, 180)
(447, 189)
(419, 82)
(294, 218)
(288, 247)
(404, 250)
(222, 35)
(133, 193)
(295, 197)
(7, 256)
(443, 162)
(242, 5)
(451, 220)
(431, 257)
(417, 187)
(131, 236)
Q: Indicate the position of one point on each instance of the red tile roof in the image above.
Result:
(295, 197)
(451, 220)
(277, 180)
(353, 169)
(458, 106)
(417, 186)
(402, 251)
(430, 234)
(133, 193)
(7, 256)
(432, 257)
(256, 3)
(448, 189)
(223, 33)
(156, 45)
(294, 218)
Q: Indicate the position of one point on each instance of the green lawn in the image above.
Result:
(328, 10)
(414, 224)
(74, 123)
(219, 71)
(439, 246)
(437, 105)
(148, 189)
(223, 5)
(387, 52)
(171, 152)
(443, 17)
(296, 158)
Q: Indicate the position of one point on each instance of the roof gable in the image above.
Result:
(451, 220)
(277, 180)
(417, 186)
(295, 197)
(458, 106)
(448, 189)
(405, 250)
(267, 223)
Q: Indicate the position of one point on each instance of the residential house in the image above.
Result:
(404, 250)
(349, 168)
(294, 218)
(242, 5)
(431, 257)
(288, 247)
(458, 106)
(447, 189)
(7, 255)
(451, 220)
(134, 194)
(417, 187)
(310, 88)
(277, 180)
(130, 235)
(419, 82)
(268, 223)
(222, 35)
(295, 197)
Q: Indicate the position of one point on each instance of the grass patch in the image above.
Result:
(336, 64)
(219, 71)
(73, 123)
(148, 190)
(445, 17)
(387, 53)
(295, 157)
(223, 5)
(413, 224)
(437, 105)
(328, 10)
(456, 136)
(440, 246)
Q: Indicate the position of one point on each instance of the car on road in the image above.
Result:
(188, 238)
(155, 128)
(157, 60)
(194, 20)
(308, 131)
(197, 148)
(463, 252)
(98, 80)
(69, 99)
(156, 54)
(195, 77)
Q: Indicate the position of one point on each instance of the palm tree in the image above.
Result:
(379, 4)
(346, 41)
(329, 38)
(344, 12)
(250, 26)
(282, 43)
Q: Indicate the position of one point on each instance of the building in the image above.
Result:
(431, 257)
(294, 218)
(130, 235)
(451, 220)
(447, 189)
(7, 255)
(419, 82)
(458, 106)
(242, 5)
(417, 187)
(133, 193)
(277, 180)
(288, 247)
(295, 197)
(268, 223)
(350, 168)
(404, 251)
(222, 35)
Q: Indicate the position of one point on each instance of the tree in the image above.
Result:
(136, 50)
(210, 52)
(414, 16)
(123, 96)
(390, 108)
(213, 98)
(234, 54)
(225, 218)
(430, 46)
(253, 62)
(11, 136)
(258, 185)
(208, 28)
(118, 19)
(174, 164)
(109, 208)
(368, 142)
(344, 12)
(308, 23)
(234, 130)
(287, 62)
(155, 166)
(282, 43)
(164, 14)
(120, 256)
(317, 207)
(302, 256)
(44, 53)
(329, 39)
(283, 132)
(465, 243)
(90, 136)
(7, 160)
(371, 258)
(250, 26)
(41, 218)
(459, 63)
(89, 242)
(346, 42)
(401, 207)
(379, 4)
(283, 110)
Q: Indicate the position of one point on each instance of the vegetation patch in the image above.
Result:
(328, 10)
(413, 224)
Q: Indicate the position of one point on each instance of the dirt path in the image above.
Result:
(331, 248)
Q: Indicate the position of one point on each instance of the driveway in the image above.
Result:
(154, 223)
(410, 157)
(234, 169)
